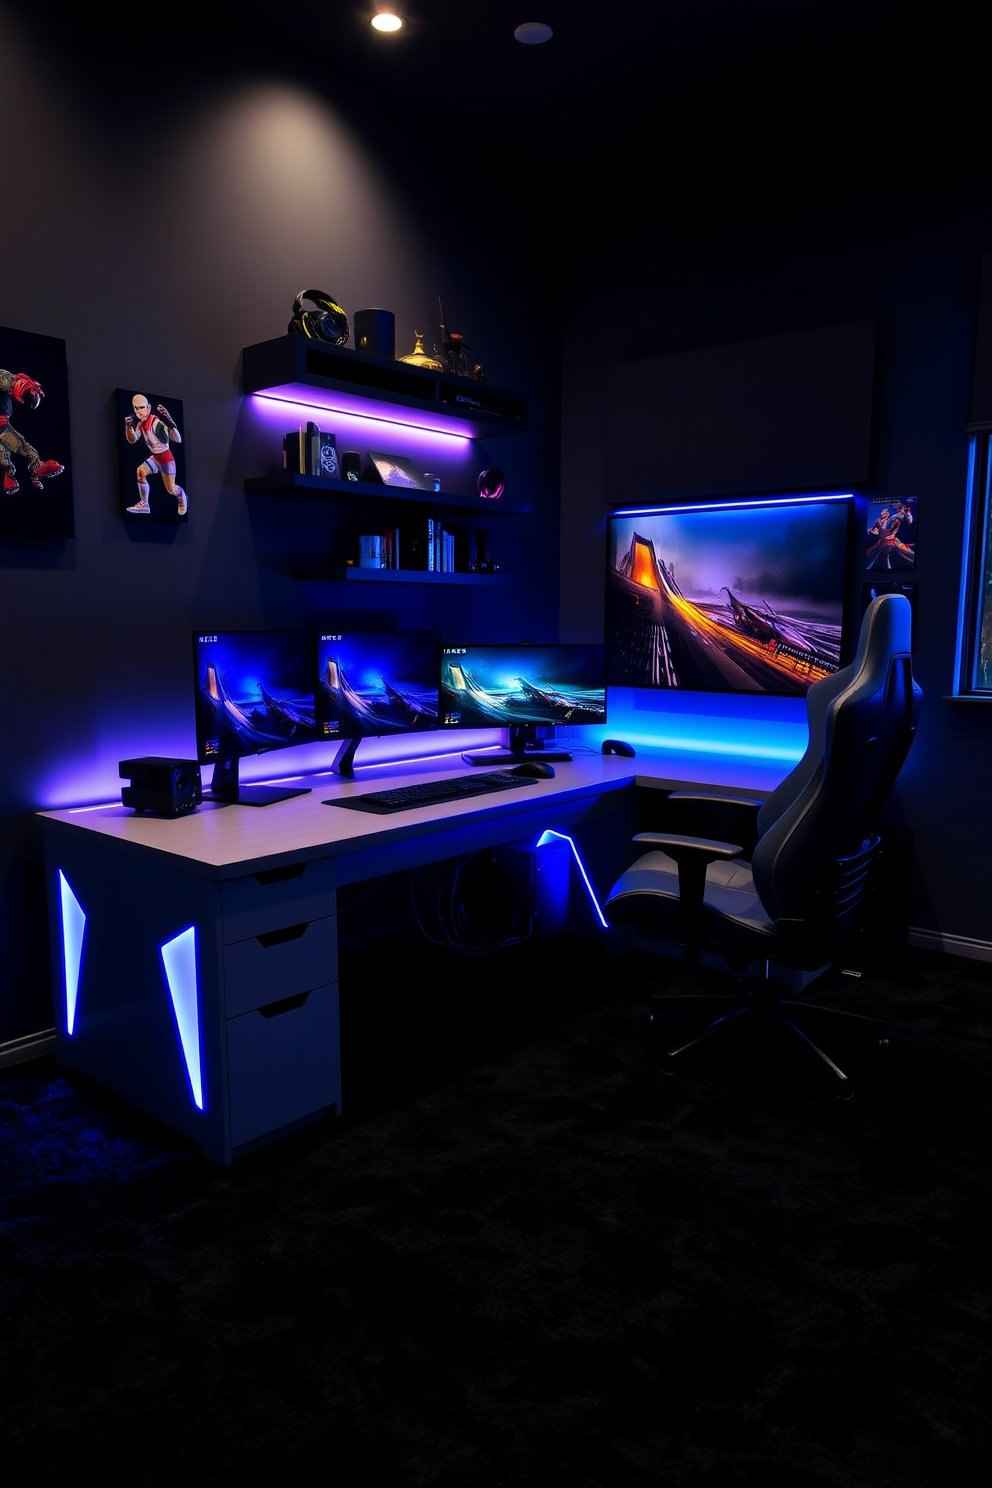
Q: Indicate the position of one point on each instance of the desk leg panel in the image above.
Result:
(118, 1017)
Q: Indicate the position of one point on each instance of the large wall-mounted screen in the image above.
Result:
(728, 597)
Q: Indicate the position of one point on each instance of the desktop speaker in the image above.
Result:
(169, 787)
(375, 331)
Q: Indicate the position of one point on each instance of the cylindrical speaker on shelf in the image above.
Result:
(375, 332)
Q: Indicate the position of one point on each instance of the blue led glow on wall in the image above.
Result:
(73, 930)
(179, 957)
(696, 506)
(550, 836)
(759, 728)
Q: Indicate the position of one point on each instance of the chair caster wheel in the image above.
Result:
(883, 1043)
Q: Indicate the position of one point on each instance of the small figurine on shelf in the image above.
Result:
(453, 349)
(418, 357)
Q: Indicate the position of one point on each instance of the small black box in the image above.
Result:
(169, 787)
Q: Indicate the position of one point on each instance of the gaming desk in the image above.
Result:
(196, 957)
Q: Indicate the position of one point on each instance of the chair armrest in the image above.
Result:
(692, 854)
(692, 849)
(706, 798)
(705, 812)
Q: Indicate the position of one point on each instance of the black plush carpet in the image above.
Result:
(526, 1256)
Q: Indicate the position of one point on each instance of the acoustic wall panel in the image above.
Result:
(782, 413)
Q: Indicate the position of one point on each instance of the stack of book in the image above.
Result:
(426, 544)
(310, 450)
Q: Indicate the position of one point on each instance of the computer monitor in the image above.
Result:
(375, 683)
(254, 692)
(742, 596)
(522, 688)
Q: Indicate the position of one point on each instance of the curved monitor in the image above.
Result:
(522, 688)
(372, 684)
(744, 596)
(254, 693)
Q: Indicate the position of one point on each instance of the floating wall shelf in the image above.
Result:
(317, 375)
(335, 574)
(291, 483)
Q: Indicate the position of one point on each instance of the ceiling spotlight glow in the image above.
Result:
(532, 33)
(386, 21)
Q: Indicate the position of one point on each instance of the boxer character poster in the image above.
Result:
(35, 463)
(151, 457)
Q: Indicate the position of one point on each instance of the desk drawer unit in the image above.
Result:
(279, 934)
(283, 1064)
(266, 901)
(277, 964)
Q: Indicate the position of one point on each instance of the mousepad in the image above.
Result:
(352, 803)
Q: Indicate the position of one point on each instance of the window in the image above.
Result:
(974, 659)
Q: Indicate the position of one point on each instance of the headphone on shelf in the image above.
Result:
(329, 323)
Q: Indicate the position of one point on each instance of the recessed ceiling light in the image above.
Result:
(386, 21)
(532, 33)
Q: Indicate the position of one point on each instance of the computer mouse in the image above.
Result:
(538, 768)
(618, 746)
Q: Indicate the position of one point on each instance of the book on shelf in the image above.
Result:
(294, 451)
(414, 543)
(310, 450)
(391, 548)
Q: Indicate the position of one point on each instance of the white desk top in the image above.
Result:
(224, 841)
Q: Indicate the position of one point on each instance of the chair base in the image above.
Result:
(804, 1024)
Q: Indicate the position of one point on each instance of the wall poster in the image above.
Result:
(891, 534)
(35, 463)
(151, 457)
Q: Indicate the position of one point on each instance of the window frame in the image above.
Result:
(975, 603)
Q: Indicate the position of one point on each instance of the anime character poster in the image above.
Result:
(891, 534)
(35, 463)
(151, 455)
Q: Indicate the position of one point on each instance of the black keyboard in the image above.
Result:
(433, 792)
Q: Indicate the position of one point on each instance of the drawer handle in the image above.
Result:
(279, 937)
(280, 875)
(287, 1005)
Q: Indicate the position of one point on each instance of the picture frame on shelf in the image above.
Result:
(397, 470)
(328, 464)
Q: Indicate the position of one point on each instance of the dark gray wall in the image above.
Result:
(158, 229)
(769, 249)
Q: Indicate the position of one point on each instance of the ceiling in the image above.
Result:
(659, 83)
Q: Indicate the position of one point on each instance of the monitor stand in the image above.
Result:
(226, 787)
(344, 761)
(523, 745)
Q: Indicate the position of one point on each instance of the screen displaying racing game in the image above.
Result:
(503, 686)
(254, 692)
(730, 598)
(374, 684)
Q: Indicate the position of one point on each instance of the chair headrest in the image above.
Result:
(886, 629)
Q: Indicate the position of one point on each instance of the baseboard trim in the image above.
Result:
(31, 1046)
(951, 945)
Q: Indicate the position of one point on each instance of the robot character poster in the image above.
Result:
(35, 464)
(151, 455)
